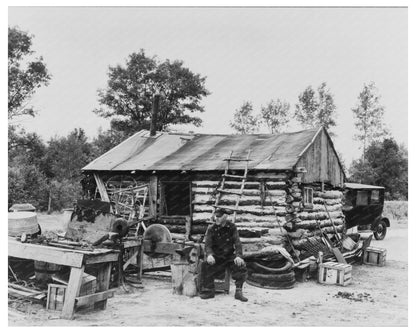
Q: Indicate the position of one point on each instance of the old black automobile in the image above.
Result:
(363, 207)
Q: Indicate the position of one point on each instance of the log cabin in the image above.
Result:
(292, 188)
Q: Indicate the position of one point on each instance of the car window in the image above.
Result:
(375, 196)
(362, 198)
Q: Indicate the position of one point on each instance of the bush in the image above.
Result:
(27, 184)
(395, 210)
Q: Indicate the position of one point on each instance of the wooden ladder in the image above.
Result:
(227, 176)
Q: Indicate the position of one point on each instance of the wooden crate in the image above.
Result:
(56, 297)
(335, 273)
(375, 256)
(88, 285)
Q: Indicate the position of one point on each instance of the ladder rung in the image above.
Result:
(234, 176)
(229, 192)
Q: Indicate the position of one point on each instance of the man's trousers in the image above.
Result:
(210, 272)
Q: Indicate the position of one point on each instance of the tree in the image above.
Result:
(275, 115)
(316, 109)
(24, 75)
(385, 164)
(106, 140)
(368, 116)
(244, 121)
(68, 155)
(128, 98)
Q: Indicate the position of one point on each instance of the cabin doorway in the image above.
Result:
(176, 198)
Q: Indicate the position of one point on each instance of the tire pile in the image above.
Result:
(271, 272)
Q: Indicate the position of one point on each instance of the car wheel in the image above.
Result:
(259, 268)
(380, 230)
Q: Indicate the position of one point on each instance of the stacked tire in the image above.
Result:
(274, 272)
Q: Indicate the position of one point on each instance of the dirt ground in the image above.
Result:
(378, 296)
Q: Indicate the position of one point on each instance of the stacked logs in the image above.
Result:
(306, 223)
(256, 220)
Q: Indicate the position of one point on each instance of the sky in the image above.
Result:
(247, 54)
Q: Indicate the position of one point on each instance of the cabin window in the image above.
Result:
(362, 198)
(375, 196)
(308, 197)
(175, 198)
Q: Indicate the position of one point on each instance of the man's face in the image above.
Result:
(220, 219)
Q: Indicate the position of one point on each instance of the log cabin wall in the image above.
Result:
(258, 222)
(308, 221)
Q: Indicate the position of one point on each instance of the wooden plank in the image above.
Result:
(169, 248)
(103, 282)
(153, 196)
(131, 243)
(45, 253)
(94, 298)
(101, 258)
(130, 260)
(72, 291)
(101, 188)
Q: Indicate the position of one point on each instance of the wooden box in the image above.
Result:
(56, 297)
(335, 273)
(88, 285)
(374, 256)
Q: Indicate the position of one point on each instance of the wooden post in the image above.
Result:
(72, 291)
(140, 254)
(101, 188)
(103, 283)
(153, 196)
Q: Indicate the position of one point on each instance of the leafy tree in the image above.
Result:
(24, 75)
(385, 164)
(129, 96)
(106, 140)
(368, 116)
(244, 121)
(316, 109)
(275, 115)
(67, 155)
(27, 184)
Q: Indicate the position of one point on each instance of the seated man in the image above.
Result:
(223, 249)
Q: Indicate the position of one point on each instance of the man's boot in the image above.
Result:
(239, 295)
(207, 295)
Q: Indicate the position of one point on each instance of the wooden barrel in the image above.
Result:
(45, 270)
(23, 223)
(183, 279)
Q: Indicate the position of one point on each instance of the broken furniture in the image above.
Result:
(77, 260)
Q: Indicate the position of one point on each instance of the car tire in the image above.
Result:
(380, 230)
(259, 268)
(280, 285)
(286, 277)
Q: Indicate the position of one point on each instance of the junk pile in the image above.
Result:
(270, 268)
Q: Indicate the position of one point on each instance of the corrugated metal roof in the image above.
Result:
(203, 152)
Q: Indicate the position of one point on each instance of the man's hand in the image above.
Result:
(210, 260)
(239, 261)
